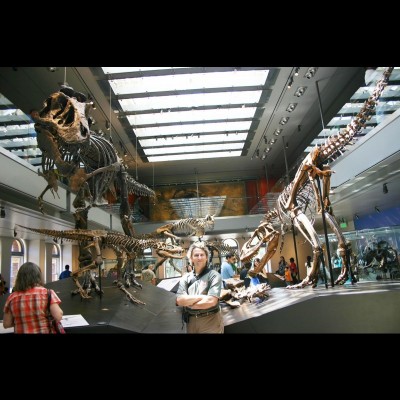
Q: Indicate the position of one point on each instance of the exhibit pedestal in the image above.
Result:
(113, 312)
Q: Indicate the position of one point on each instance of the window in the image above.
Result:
(17, 259)
(231, 243)
(55, 263)
(148, 252)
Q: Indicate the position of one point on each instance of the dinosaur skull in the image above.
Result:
(64, 117)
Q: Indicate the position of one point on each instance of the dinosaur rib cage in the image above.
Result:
(305, 200)
(100, 153)
(221, 248)
(188, 225)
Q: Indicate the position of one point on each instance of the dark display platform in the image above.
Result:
(114, 313)
(371, 307)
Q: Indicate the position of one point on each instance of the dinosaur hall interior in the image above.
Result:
(263, 162)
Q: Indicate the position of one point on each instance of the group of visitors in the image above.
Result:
(289, 271)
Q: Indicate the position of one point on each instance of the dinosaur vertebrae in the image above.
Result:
(113, 239)
(221, 248)
(337, 142)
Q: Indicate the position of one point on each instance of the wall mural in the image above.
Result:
(218, 199)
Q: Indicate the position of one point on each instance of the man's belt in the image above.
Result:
(203, 314)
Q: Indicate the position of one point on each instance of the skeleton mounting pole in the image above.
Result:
(328, 252)
(291, 219)
(326, 237)
(320, 106)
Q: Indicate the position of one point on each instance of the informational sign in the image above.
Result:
(169, 284)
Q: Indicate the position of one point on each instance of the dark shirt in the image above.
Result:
(243, 275)
(65, 274)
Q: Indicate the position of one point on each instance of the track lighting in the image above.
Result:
(377, 209)
(310, 72)
(52, 69)
(300, 91)
(385, 188)
(291, 107)
(290, 83)
(257, 153)
(108, 125)
(284, 120)
(2, 212)
(296, 71)
(277, 132)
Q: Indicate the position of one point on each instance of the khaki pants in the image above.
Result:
(213, 323)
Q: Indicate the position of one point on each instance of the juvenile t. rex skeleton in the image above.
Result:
(302, 196)
(101, 238)
(187, 226)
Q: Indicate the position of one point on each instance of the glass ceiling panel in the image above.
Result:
(195, 128)
(17, 133)
(190, 100)
(193, 148)
(189, 82)
(178, 116)
(179, 140)
(117, 70)
(191, 116)
(388, 103)
(193, 156)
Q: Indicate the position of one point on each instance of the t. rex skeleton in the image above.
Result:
(89, 162)
(302, 196)
(115, 240)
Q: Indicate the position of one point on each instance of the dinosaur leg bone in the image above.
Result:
(306, 228)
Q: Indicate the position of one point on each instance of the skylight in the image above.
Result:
(388, 103)
(171, 109)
